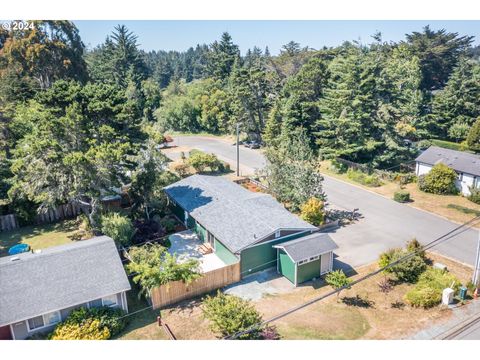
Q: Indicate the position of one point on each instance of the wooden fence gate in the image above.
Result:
(176, 291)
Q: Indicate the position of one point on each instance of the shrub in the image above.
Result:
(313, 211)
(200, 161)
(424, 144)
(407, 270)
(269, 333)
(473, 138)
(401, 196)
(338, 167)
(118, 227)
(474, 195)
(364, 179)
(182, 169)
(90, 324)
(230, 314)
(337, 280)
(428, 291)
(168, 224)
(439, 180)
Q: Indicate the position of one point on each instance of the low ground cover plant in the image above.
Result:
(401, 196)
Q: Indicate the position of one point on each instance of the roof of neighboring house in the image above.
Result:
(32, 284)
(458, 160)
(308, 246)
(234, 215)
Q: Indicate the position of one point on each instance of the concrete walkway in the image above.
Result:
(255, 286)
(459, 315)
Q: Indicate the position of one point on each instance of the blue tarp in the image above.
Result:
(18, 249)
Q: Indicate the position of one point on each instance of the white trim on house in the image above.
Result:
(12, 332)
(259, 242)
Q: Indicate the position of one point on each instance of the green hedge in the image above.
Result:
(364, 179)
(449, 145)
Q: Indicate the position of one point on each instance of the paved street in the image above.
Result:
(385, 223)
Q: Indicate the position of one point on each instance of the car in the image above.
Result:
(253, 144)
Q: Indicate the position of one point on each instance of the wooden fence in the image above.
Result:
(62, 212)
(176, 291)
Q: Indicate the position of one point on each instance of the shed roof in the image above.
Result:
(458, 160)
(56, 278)
(308, 246)
(234, 215)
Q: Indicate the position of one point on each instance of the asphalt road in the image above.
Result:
(470, 333)
(384, 223)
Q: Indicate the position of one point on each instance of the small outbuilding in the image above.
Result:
(306, 258)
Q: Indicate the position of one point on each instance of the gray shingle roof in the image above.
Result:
(234, 215)
(308, 246)
(457, 160)
(59, 277)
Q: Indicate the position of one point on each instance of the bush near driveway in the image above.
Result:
(474, 195)
(90, 324)
(439, 180)
(428, 290)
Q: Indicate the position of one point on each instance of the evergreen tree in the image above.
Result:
(459, 102)
(222, 57)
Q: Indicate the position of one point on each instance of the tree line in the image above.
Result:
(77, 123)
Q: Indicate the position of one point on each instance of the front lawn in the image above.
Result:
(40, 236)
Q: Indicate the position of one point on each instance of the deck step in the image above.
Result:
(205, 248)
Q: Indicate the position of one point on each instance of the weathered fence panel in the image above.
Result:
(8, 222)
(176, 291)
(62, 212)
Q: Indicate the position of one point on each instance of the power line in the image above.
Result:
(363, 278)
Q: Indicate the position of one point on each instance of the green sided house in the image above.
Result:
(251, 228)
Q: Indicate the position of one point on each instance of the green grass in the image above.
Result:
(464, 209)
(38, 237)
(450, 145)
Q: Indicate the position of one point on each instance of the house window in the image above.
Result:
(277, 234)
(41, 321)
(313, 258)
(35, 323)
(95, 303)
(110, 300)
(52, 318)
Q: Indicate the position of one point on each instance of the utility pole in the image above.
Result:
(476, 272)
(238, 149)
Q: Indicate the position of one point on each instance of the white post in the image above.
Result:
(238, 150)
(476, 271)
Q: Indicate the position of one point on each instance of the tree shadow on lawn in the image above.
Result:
(358, 301)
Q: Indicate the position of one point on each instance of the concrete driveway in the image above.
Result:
(385, 223)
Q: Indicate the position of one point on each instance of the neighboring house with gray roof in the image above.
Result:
(39, 289)
(466, 165)
(240, 225)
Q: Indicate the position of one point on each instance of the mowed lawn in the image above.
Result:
(38, 237)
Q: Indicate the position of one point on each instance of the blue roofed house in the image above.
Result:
(39, 289)
(246, 227)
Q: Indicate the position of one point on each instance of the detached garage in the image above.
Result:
(306, 258)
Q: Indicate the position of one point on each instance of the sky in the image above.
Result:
(180, 35)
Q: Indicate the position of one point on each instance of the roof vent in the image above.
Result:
(37, 251)
(15, 258)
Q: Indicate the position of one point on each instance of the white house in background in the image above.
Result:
(465, 164)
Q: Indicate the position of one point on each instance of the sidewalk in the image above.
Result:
(459, 315)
